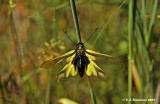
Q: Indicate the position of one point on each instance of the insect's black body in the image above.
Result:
(80, 61)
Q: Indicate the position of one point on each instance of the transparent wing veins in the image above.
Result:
(59, 58)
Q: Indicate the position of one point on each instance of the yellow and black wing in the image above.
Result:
(58, 59)
(96, 59)
(68, 70)
(64, 61)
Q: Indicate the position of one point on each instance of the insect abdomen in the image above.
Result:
(80, 62)
(81, 67)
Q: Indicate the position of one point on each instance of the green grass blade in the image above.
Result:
(106, 23)
(152, 21)
(27, 76)
(75, 18)
(93, 97)
(130, 36)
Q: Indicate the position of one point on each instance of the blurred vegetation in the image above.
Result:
(31, 31)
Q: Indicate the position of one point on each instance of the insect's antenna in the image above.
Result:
(92, 34)
(68, 36)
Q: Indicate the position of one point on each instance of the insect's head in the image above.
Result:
(80, 46)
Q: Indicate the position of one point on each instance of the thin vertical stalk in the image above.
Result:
(143, 12)
(54, 2)
(152, 21)
(75, 18)
(93, 97)
(15, 37)
(130, 35)
(48, 86)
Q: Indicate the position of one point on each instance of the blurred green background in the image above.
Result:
(31, 31)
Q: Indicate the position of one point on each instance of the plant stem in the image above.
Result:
(48, 86)
(15, 37)
(93, 97)
(152, 21)
(54, 3)
(75, 18)
(130, 35)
